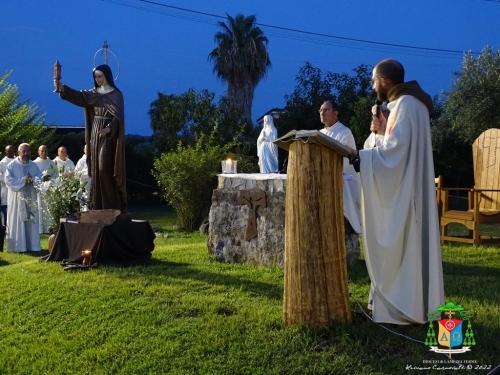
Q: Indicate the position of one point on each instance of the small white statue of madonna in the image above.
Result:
(267, 151)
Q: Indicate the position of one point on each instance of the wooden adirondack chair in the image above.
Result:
(483, 198)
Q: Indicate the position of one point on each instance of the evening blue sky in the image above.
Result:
(162, 49)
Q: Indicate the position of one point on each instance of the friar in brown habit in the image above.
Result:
(104, 136)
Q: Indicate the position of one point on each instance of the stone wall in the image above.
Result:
(228, 220)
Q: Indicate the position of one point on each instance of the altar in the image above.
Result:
(230, 215)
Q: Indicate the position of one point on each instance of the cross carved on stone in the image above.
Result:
(252, 199)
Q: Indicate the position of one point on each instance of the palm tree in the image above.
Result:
(241, 59)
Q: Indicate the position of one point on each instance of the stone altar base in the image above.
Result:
(229, 218)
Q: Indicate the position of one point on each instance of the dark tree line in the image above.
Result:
(352, 92)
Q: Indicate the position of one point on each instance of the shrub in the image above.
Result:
(64, 195)
(188, 176)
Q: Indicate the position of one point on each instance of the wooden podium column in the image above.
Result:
(316, 291)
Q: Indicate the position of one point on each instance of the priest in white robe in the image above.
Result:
(22, 231)
(63, 161)
(351, 186)
(83, 171)
(399, 210)
(48, 168)
(10, 153)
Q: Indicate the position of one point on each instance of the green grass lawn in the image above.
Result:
(185, 313)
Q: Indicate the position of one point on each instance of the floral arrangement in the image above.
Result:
(63, 195)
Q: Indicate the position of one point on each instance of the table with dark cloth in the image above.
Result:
(120, 243)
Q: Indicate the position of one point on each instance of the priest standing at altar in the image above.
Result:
(399, 211)
(22, 231)
(329, 116)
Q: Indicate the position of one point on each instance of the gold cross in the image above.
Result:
(449, 313)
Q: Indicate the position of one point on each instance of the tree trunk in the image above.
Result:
(241, 94)
(316, 291)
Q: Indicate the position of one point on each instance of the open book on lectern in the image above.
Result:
(312, 136)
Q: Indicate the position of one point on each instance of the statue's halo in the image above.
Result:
(117, 63)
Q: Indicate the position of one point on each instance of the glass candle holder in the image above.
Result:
(87, 254)
(229, 166)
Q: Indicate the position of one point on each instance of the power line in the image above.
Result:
(303, 35)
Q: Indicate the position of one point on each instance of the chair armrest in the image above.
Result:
(479, 195)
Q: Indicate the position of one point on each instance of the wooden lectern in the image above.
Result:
(316, 291)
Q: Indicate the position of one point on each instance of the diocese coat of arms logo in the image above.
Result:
(450, 330)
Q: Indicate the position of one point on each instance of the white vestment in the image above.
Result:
(3, 189)
(45, 165)
(22, 218)
(68, 164)
(400, 220)
(351, 186)
(44, 220)
(83, 172)
(373, 140)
